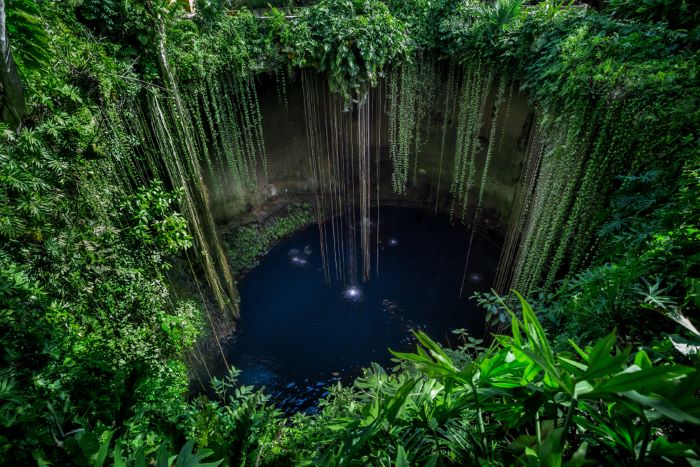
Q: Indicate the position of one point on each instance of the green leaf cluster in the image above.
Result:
(517, 402)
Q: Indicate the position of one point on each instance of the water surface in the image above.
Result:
(298, 335)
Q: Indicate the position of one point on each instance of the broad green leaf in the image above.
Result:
(550, 451)
(573, 363)
(395, 403)
(579, 457)
(188, 458)
(600, 363)
(162, 456)
(401, 459)
(140, 457)
(636, 379)
(641, 359)
(104, 448)
(663, 447)
(581, 352)
(583, 387)
(664, 407)
(89, 444)
(118, 459)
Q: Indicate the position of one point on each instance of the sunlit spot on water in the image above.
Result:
(299, 258)
(353, 293)
(475, 278)
(343, 326)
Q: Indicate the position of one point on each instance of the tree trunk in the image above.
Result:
(12, 108)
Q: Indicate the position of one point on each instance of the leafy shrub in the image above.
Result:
(153, 223)
(677, 13)
(516, 402)
(25, 27)
(354, 42)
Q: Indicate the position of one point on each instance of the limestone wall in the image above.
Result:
(289, 171)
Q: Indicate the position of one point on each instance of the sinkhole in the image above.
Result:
(299, 334)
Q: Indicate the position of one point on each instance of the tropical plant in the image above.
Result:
(93, 344)
(153, 221)
(550, 8)
(500, 15)
(354, 42)
(519, 401)
(27, 32)
(677, 13)
(19, 20)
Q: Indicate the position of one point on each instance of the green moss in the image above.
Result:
(247, 243)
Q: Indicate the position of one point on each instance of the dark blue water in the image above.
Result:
(297, 335)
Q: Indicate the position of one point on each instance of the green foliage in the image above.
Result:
(24, 191)
(425, 20)
(209, 11)
(551, 8)
(237, 425)
(651, 271)
(93, 344)
(130, 25)
(518, 401)
(413, 91)
(232, 44)
(677, 13)
(28, 36)
(354, 41)
(609, 94)
(152, 220)
(500, 16)
(473, 92)
(247, 243)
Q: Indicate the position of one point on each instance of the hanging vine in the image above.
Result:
(447, 118)
(340, 162)
(485, 173)
(413, 90)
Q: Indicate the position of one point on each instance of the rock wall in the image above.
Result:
(289, 173)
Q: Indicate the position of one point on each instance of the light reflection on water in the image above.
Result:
(298, 335)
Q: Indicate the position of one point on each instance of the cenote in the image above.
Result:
(349, 232)
(298, 334)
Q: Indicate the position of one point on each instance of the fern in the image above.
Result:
(654, 296)
(615, 225)
(635, 202)
(30, 40)
(502, 14)
(8, 386)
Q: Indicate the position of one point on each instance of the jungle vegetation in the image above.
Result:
(112, 113)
